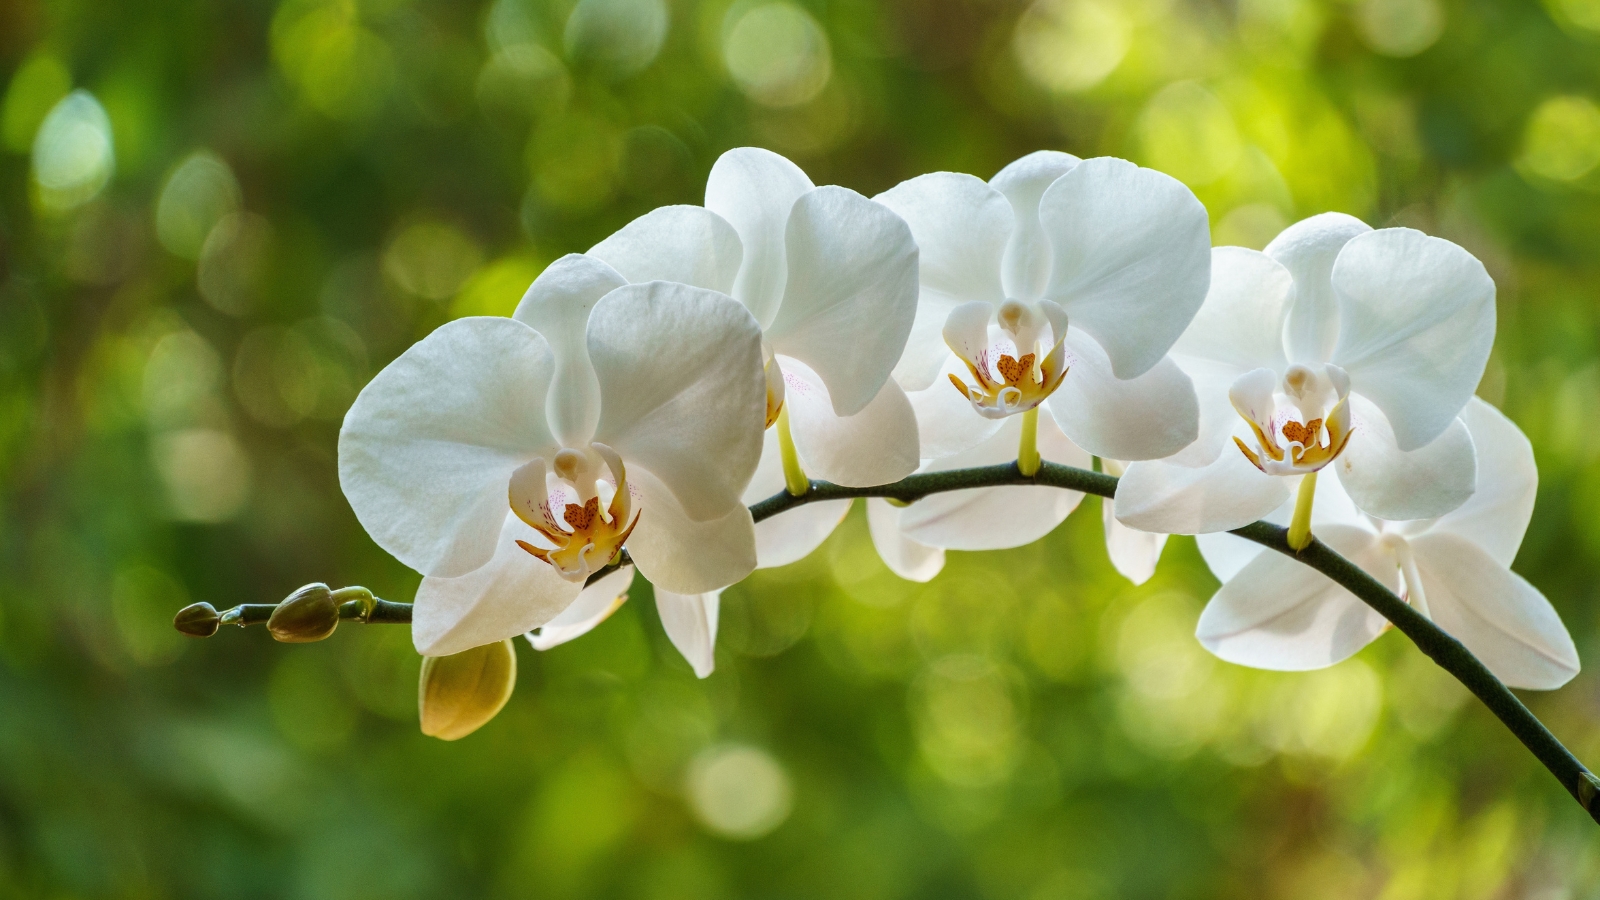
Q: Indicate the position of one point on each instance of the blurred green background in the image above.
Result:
(218, 220)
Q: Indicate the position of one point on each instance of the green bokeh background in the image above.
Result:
(180, 335)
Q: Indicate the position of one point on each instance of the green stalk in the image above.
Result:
(794, 477)
(1028, 449)
(1300, 526)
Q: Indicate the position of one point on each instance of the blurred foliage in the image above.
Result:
(217, 220)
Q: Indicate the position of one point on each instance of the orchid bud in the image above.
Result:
(197, 620)
(310, 614)
(460, 693)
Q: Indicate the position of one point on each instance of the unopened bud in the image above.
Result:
(460, 693)
(310, 614)
(197, 620)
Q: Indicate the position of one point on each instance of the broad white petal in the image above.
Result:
(1501, 618)
(791, 535)
(1225, 554)
(1133, 553)
(1391, 484)
(754, 189)
(1496, 516)
(946, 422)
(690, 621)
(686, 244)
(680, 554)
(427, 449)
(1416, 322)
(877, 445)
(506, 596)
(1241, 323)
(851, 293)
(1279, 614)
(960, 225)
(904, 557)
(683, 391)
(557, 305)
(1001, 517)
(1131, 252)
(594, 605)
(1168, 498)
(1151, 416)
(1308, 249)
(1026, 269)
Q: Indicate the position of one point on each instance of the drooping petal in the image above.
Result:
(684, 394)
(792, 535)
(1133, 553)
(506, 596)
(1417, 321)
(904, 557)
(1501, 618)
(1241, 322)
(1168, 498)
(1307, 249)
(960, 225)
(557, 305)
(1131, 251)
(1496, 516)
(1279, 614)
(754, 189)
(680, 554)
(877, 445)
(1151, 416)
(686, 244)
(1389, 483)
(690, 621)
(850, 294)
(428, 448)
(1225, 554)
(1026, 269)
(594, 605)
(1000, 517)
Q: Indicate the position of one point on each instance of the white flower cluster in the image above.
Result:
(702, 358)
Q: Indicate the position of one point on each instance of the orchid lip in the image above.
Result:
(1294, 430)
(583, 538)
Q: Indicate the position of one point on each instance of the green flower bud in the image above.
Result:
(310, 614)
(197, 620)
(460, 693)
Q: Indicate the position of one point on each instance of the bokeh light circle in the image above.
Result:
(739, 792)
(776, 53)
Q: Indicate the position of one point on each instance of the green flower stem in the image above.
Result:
(1449, 653)
(1028, 448)
(794, 477)
(1300, 525)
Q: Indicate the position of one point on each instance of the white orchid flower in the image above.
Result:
(507, 460)
(1274, 613)
(1061, 282)
(831, 278)
(1338, 345)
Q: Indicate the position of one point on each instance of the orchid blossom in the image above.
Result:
(1061, 282)
(831, 278)
(508, 460)
(1272, 613)
(1122, 252)
(1339, 345)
